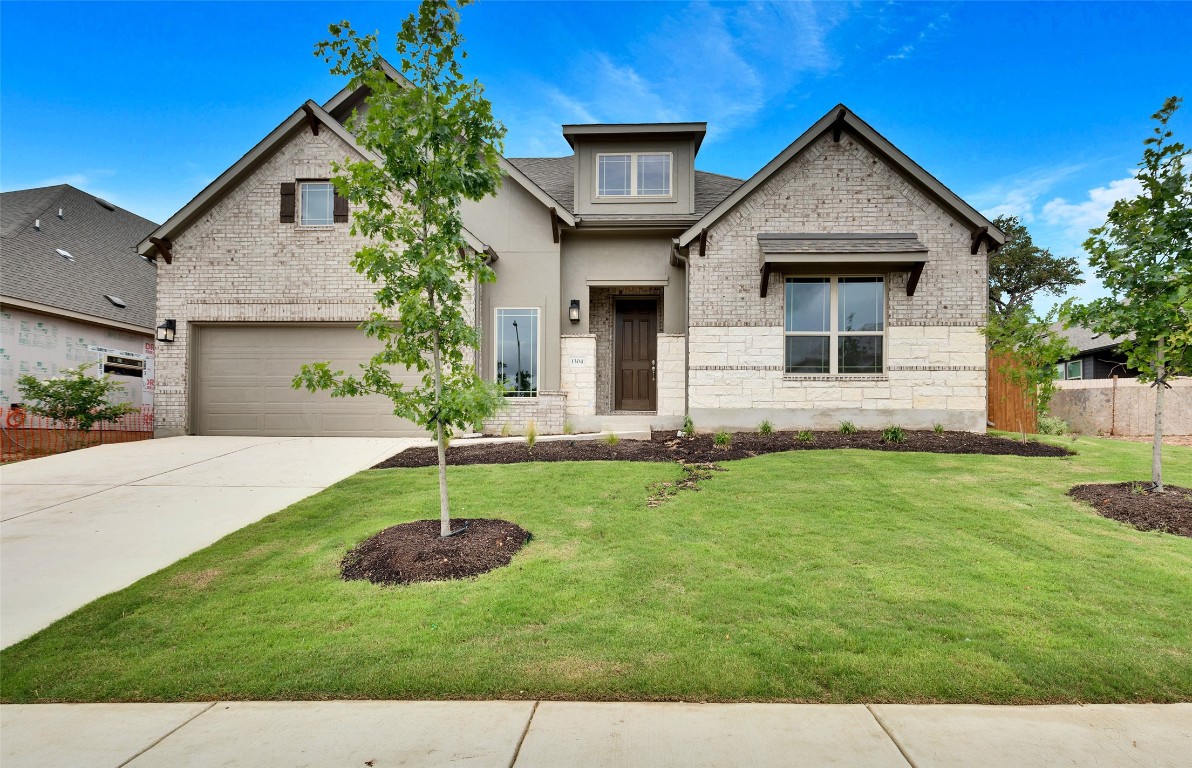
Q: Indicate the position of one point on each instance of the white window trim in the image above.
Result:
(1067, 365)
(300, 186)
(633, 156)
(537, 357)
(834, 333)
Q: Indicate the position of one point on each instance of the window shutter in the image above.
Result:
(341, 209)
(287, 202)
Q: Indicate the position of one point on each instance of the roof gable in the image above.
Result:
(839, 120)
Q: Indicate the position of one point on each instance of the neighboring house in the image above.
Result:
(73, 290)
(1098, 356)
(840, 282)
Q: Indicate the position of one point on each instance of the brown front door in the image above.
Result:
(635, 356)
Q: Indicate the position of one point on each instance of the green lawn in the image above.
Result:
(835, 576)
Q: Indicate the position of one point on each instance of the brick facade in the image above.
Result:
(237, 263)
(935, 354)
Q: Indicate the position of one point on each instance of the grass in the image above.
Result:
(833, 576)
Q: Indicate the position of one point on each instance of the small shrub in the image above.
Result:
(506, 430)
(531, 434)
(612, 438)
(1050, 425)
(765, 428)
(723, 439)
(848, 428)
(688, 426)
(939, 428)
(568, 428)
(893, 434)
(805, 436)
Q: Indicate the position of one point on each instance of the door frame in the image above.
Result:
(618, 301)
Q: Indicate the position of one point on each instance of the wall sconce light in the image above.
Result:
(165, 331)
(573, 311)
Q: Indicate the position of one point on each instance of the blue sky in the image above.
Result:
(1034, 109)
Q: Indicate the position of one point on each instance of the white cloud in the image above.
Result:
(1076, 219)
(1016, 195)
(699, 61)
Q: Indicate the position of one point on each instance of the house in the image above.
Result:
(839, 282)
(1097, 357)
(73, 290)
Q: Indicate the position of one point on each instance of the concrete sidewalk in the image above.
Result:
(129, 509)
(549, 734)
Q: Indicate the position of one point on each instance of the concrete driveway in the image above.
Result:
(76, 526)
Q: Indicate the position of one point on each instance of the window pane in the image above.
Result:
(1076, 369)
(807, 301)
(860, 304)
(517, 351)
(807, 354)
(317, 203)
(613, 173)
(860, 354)
(653, 174)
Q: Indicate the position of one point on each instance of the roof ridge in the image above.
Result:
(37, 214)
(721, 175)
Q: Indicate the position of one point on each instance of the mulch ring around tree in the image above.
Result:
(1132, 503)
(701, 448)
(411, 552)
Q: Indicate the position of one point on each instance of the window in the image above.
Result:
(835, 325)
(517, 351)
(633, 174)
(317, 203)
(1075, 369)
(124, 366)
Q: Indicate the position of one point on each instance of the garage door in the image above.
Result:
(242, 375)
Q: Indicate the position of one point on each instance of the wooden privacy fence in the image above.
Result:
(26, 436)
(1011, 407)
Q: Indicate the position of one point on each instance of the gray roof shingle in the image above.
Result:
(1084, 339)
(810, 242)
(100, 237)
(556, 176)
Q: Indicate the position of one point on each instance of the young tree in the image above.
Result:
(73, 398)
(437, 144)
(1020, 270)
(1143, 256)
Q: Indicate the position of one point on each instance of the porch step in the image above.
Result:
(627, 427)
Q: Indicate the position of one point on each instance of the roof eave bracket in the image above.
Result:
(163, 246)
(554, 223)
(765, 279)
(703, 242)
(977, 236)
(838, 126)
(312, 119)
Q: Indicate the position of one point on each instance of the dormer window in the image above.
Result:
(633, 174)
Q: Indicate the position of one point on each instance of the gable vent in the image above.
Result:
(65, 254)
(116, 301)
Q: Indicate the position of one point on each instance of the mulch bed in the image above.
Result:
(1170, 511)
(700, 448)
(410, 552)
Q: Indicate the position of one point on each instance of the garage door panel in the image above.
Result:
(242, 379)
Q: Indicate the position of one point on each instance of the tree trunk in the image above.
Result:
(1157, 444)
(440, 436)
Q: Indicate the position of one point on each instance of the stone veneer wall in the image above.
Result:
(601, 318)
(578, 379)
(547, 411)
(935, 353)
(672, 360)
(237, 263)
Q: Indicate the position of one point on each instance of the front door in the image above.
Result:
(634, 355)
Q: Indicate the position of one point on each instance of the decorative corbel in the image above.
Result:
(163, 246)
